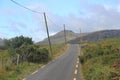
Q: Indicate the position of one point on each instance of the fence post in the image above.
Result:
(2, 61)
(18, 59)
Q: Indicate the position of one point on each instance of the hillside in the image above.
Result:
(1, 41)
(98, 35)
(59, 37)
(101, 60)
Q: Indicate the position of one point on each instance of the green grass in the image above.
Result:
(9, 71)
(99, 59)
(55, 47)
(22, 70)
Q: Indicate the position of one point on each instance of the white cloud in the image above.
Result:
(98, 17)
(94, 17)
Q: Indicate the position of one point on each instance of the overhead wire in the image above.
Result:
(33, 11)
(52, 21)
(26, 7)
(20, 5)
(36, 12)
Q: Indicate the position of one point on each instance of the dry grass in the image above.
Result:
(60, 51)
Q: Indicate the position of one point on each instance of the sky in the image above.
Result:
(87, 15)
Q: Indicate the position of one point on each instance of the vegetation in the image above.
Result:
(20, 57)
(25, 50)
(57, 49)
(101, 60)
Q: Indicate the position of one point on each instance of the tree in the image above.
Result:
(27, 51)
(15, 44)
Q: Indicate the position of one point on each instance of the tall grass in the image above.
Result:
(99, 60)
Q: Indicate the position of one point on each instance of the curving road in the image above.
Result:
(65, 67)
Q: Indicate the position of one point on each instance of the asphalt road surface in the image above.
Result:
(65, 67)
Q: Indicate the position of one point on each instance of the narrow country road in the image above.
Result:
(65, 67)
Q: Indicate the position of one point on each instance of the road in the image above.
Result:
(65, 67)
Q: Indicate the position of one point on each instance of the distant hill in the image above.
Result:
(1, 41)
(59, 37)
(98, 35)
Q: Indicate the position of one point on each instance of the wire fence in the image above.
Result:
(4, 61)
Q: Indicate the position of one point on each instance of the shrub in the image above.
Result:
(82, 59)
(32, 54)
(40, 55)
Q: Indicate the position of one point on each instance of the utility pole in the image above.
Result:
(65, 34)
(80, 36)
(48, 33)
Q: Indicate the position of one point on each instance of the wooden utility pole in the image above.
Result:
(65, 34)
(48, 34)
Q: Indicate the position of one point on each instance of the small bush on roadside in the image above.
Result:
(82, 59)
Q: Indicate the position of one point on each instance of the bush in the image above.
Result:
(15, 43)
(32, 54)
(82, 59)
(40, 55)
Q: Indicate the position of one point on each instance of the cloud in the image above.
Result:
(94, 17)
(91, 17)
(114, 1)
(6, 10)
(39, 7)
(107, 18)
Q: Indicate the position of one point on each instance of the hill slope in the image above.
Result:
(59, 37)
(103, 58)
(98, 35)
(1, 41)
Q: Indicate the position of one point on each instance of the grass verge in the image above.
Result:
(12, 72)
(101, 60)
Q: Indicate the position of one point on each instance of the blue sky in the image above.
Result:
(89, 15)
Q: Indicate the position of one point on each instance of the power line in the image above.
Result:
(26, 7)
(33, 11)
(52, 21)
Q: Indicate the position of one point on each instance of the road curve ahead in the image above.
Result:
(63, 68)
